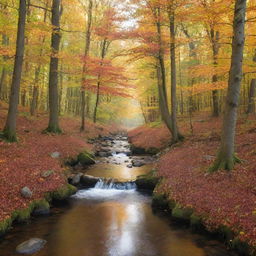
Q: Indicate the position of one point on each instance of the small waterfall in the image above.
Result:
(113, 184)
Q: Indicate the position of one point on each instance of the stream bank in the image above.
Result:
(114, 212)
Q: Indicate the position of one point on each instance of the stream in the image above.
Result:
(110, 221)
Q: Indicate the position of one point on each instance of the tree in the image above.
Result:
(53, 125)
(252, 93)
(226, 158)
(86, 52)
(10, 125)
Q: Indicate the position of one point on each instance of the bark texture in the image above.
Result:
(226, 158)
(10, 125)
(53, 126)
(86, 52)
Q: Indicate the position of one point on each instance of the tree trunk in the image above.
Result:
(215, 51)
(175, 134)
(2, 80)
(226, 158)
(252, 97)
(10, 125)
(103, 54)
(35, 92)
(53, 125)
(86, 52)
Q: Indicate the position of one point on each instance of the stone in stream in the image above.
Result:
(26, 192)
(137, 163)
(104, 154)
(129, 165)
(85, 158)
(31, 246)
(75, 180)
(89, 181)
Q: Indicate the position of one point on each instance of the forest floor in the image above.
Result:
(22, 163)
(222, 198)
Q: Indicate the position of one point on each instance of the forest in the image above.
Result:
(129, 95)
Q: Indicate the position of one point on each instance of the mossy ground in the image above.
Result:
(23, 215)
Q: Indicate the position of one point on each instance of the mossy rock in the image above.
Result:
(225, 233)
(41, 207)
(160, 201)
(182, 213)
(5, 225)
(147, 181)
(86, 158)
(63, 192)
(196, 223)
(241, 247)
(22, 215)
(137, 150)
(152, 151)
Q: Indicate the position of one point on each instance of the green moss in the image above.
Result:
(182, 213)
(63, 193)
(160, 201)
(22, 215)
(147, 181)
(86, 158)
(225, 233)
(196, 222)
(5, 225)
(240, 246)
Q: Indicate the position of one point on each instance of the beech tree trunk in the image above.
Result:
(226, 158)
(175, 134)
(10, 125)
(103, 54)
(86, 52)
(252, 97)
(53, 126)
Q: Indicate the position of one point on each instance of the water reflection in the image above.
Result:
(108, 223)
(120, 172)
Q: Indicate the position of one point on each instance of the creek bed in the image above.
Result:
(104, 221)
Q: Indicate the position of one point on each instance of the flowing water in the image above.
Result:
(110, 221)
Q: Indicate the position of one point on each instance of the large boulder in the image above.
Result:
(31, 246)
(89, 181)
(26, 192)
(86, 158)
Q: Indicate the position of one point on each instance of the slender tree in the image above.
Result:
(226, 158)
(176, 136)
(10, 125)
(86, 52)
(53, 125)
(252, 93)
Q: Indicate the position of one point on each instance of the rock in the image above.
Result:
(76, 179)
(137, 163)
(89, 181)
(55, 155)
(147, 181)
(104, 154)
(85, 158)
(46, 174)
(42, 209)
(137, 150)
(31, 246)
(26, 192)
(208, 157)
(129, 165)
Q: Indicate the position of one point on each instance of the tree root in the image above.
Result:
(222, 163)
